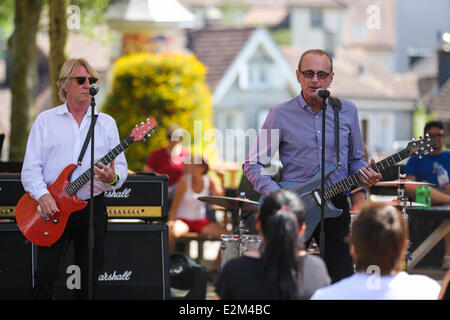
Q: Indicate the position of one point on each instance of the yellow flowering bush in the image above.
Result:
(168, 87)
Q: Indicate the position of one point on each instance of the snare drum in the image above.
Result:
(232, 248)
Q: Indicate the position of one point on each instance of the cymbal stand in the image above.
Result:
(401, 197)
(242, 229)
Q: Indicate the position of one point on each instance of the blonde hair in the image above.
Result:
(68, 71)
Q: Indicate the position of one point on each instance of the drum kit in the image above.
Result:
(235, 245)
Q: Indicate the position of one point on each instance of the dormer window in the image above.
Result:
(255, 75)
(316, 18)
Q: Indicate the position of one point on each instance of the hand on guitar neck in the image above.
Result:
(369, 176)
(104, 173)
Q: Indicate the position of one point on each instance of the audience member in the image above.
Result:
(187, 212)
(170, 159)
(426, 169)
(378, 243)
(281, 268)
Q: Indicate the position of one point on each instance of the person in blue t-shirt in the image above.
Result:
(426, 169)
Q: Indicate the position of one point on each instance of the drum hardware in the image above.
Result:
(236, 245)
(403, 202)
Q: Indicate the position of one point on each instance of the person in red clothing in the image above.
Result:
(168, 160)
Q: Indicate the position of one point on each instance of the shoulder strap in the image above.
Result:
(86, 141)
(337, 106)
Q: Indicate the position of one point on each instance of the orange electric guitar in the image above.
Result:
(45, 231)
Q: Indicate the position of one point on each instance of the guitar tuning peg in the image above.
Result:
(136, 126)
(147, 119)
(149, 135)
(420, 137)
(413, 139)
(420, 157)
(431, 150)
(153, 130)
(142, 123)
(143, 139)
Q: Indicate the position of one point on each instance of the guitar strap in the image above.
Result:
(86, 142)
(337, 106)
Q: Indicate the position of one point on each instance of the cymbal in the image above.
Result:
(405, 182)
(400, 203)
(231, 203)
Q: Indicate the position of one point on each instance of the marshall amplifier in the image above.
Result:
(142, 196)
(136, 264)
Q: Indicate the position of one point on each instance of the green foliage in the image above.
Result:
(170, 88)
(282, 36)
(420, 117)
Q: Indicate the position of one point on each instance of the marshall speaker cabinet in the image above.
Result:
(136, 264)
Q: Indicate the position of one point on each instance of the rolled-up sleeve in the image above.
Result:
(256, 166)
(31, 175)
(356, 159)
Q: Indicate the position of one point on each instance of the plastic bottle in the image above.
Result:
(423, 195)
(442, 175)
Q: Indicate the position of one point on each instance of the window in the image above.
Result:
(316, 18)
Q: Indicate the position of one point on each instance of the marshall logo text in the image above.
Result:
(125, 193)
(125, 276)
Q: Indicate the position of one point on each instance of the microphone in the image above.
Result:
(322, 94)
(93, 89)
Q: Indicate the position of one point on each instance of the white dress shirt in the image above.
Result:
(363, 286)
(56, 140)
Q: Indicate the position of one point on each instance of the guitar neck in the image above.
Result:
(78, 183)
(355, 179)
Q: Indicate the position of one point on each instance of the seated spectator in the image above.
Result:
(378, 243)
(281, 268)
(187, 213)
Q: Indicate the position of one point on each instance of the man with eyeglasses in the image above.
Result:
(425, 169)
(56, 140)
(298, 123)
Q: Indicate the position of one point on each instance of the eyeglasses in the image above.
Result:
(436, 135)
(321, 75)
(82, 80)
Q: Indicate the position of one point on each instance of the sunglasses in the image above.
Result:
(82, 80)
(308, 74)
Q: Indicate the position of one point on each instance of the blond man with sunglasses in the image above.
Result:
(55, 141)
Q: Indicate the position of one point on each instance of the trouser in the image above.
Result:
(49, 260)
(337, 252)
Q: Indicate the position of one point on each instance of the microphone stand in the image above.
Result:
(91, 209)
(322, 183)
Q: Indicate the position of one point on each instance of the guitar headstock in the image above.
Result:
(139, 132)
(418, 147)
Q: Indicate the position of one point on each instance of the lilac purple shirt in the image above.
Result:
(295, 131)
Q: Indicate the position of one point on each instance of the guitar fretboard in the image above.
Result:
(88, 174)
(355, 179)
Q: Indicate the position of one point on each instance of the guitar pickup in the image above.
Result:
(317, 196)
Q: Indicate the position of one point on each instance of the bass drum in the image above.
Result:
(232, 247)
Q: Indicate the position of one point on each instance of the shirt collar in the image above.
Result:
(62, 109)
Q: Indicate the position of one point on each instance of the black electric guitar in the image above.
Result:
(311, 194)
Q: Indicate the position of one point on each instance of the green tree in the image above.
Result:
(23, 73)
(170, 88)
